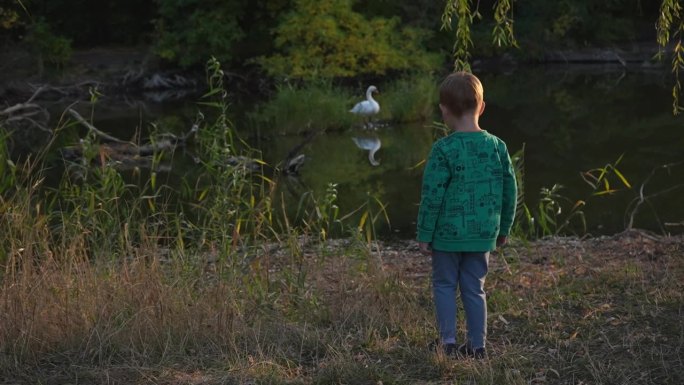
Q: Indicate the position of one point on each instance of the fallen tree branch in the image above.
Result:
(67, 90)
(92, 128)
(37, 92)
(152, 148)
(25, 105)
(18, 107)
(293, 160)
(26, 111)
(184, 138)
(40, 126)
(122, 154)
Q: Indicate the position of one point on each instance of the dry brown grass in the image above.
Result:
(562, 311)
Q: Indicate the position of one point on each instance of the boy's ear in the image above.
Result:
(444, 109)
(482, 108)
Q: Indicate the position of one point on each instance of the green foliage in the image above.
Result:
(319, 216)
(320, 105)
(191, 31)
(599, 178)
(232, 205)
(13, 20)
(463, 42)
(571, 24)
(94, 206)
(518, 162)
(9, 17)
(554, 213)
(99, 203)
(314, 105)
(502, 32)
(50, 48)
(7, 167)
(670, 26)
(576, 22)
(410, 98)
(417, 13)
(373, 210)
(439, 129)
(322, 216)
(97, 23)
(327, 39)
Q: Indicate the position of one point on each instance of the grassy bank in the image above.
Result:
(562, 311)
(104, 281)
(321, 105)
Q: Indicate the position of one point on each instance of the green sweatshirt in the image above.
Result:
(469, 193)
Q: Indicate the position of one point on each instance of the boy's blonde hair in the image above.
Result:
(461, 92)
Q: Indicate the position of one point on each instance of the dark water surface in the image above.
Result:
(570, 119)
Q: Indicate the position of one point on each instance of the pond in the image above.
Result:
(569, 119)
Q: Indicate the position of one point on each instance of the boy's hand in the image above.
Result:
(501, 240)
(424, 248)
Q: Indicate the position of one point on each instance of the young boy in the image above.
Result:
(466, 210)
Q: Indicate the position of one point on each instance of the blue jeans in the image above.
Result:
(465, 271)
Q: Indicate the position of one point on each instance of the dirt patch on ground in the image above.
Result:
(637, 246)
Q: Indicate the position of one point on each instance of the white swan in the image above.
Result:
(370, 144)
(368, 107)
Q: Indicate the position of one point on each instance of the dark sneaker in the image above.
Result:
(448, 349)
(466, 350)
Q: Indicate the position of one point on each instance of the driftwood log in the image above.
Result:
(27, 112)
(124, 154)
(294, 160)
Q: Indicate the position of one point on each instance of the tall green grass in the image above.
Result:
(321, 105)
(409, 99)
(105, 281)
(313, 106)
(554, 213)
(102, 271)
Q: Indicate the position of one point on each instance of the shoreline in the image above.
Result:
(134, 70)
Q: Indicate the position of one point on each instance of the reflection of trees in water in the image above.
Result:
(569, 121)
(574, 120)
(334, 157)
(575, 116)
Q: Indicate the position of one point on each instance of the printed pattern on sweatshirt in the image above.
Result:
(468, 189)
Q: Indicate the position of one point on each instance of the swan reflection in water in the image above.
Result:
(371, 144)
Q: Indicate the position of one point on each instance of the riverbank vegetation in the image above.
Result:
(107, 281)
(309, 39)
(321, 105)
(121, 277)
(275, 45)
(561, 312)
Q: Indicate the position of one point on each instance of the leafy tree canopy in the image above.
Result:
(190, 31)
(328, 39)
